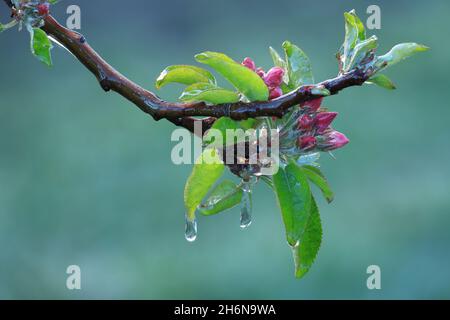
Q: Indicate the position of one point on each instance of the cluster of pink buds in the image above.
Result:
(315, 129)
(272, 78)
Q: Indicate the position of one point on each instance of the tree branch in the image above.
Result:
(181, 113)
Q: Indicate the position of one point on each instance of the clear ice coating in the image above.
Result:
(190, 232)
(246, 205)
(309, 159)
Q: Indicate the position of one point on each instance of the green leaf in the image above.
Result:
(225, 196)
(294, 198)
(203, 177)
(357, 23)
(7, 26)
(354, 34)
(362, 49)
(210, 93)
(41, 46)
(248, 124)
(382, 81)
(320, 91)
(298, 66)
(222, 124)
(306, 251)
(184, 74)
(316, 176)
(242, 78)
(399, 53)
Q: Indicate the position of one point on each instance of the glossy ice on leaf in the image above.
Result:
(224, 196)
(318, 178)
(41, 46)
(207, 170)
(209, 93)
(400, 52)
(294, 199)
(382, 81)
(184, 74)
(298, 66)
(241, 77)
(306, 249)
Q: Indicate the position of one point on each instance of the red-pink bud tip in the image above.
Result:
(249, 63)
(324, 120)
(305, 122)
(260, 72)
(313, 105)
(275, 93)
(307, 143)
(336, 140)
(274, 77)
(43, 8)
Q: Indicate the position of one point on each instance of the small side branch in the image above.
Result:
(181, 114)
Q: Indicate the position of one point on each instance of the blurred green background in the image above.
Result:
(86, 178)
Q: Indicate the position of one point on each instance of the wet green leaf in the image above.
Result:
(382, 81)
(361, 50)
(357, 23)
(306, 251)
(41, 46)
(223, 124)
(225, 196)
(316, 177)
(184, 74)
(400, 52)
(208, 93)
(354, 34)
(242, 78)
(298, 66)
(294, 198)
(207, 170)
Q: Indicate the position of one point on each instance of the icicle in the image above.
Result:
(246, 205)
(190, 229)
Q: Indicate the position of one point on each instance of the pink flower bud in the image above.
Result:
(275, 93)
(43, 8)
(274, 77)
(323, 120)
(249, 63)
(260, 72)
(313, 105)
(307, 143)
(305, 122)
(335, 140)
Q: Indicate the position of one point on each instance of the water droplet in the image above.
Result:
(190, 230)
(246, 205)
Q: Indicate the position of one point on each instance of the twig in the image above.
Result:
(181, 113)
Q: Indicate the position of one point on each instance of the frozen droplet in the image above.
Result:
(246, 205)
(190, 232)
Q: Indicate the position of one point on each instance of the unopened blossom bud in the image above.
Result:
(307, 143)
(249, 63)
(313, 105)
(43, 8)
(260, 72)
(305, 122)
(324, 120)
(335, 140)
(275, 93)
(274, 77)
